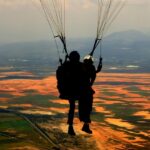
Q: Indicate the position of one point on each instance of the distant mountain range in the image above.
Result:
(120, 50)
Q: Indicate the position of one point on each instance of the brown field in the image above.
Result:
(121, 109)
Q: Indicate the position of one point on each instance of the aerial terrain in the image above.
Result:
(121, 113)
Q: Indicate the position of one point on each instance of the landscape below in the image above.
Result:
(121, 113)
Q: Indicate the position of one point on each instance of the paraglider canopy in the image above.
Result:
(108, 10)
(55, 13)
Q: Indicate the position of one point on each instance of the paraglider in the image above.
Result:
(75, 78)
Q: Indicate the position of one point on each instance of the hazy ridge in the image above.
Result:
(122, 52)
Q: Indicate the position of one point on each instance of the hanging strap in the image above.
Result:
(96, 43)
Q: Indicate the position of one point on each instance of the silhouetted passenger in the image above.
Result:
(86, 99)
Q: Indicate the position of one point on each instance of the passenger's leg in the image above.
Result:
(87, 113)
(86, 128)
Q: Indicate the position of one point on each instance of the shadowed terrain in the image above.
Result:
(121, 113)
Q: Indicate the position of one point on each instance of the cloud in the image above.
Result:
(16, 3)
(82, 3)
(130, 2)
(91, 4)
(88, 3)
(11, 2)
(138, 2)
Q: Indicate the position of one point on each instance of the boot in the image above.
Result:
(86, 128)
(71, 130)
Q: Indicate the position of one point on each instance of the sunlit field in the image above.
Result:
(121, 113)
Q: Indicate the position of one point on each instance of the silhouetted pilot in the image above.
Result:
(86, 99)
(74, 76)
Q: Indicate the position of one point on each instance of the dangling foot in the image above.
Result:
(71, 130)
(86, 128)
